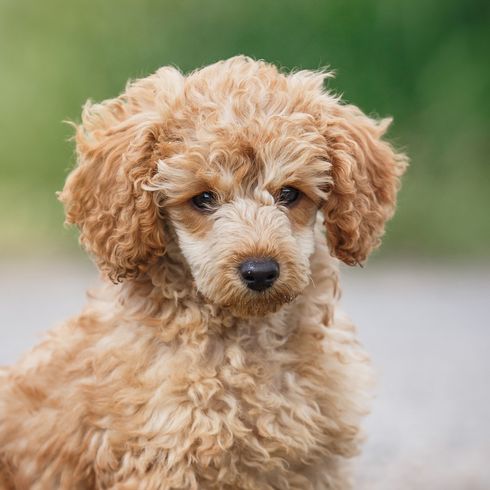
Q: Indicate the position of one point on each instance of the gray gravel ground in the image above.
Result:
(427, 328)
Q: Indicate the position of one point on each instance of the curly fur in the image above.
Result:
(176, 376)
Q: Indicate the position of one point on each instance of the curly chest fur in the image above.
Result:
(264, 405)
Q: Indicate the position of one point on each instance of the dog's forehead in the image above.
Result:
(258, 139)
(236, 139)
(237, 167)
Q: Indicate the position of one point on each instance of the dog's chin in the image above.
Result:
(252, 304)
(254, 311)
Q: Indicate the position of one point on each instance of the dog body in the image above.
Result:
(218, 360)
(111, 401)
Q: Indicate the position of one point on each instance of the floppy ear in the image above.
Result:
(365, 171)
(103, 195)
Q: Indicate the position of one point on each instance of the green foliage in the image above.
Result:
(423, 61)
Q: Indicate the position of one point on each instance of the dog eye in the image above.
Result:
(204, 201)
(288, 196)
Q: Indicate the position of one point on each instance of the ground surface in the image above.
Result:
(427, 328)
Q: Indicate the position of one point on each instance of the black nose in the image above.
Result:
(259, 274)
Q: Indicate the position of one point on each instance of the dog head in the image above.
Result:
(235, 160)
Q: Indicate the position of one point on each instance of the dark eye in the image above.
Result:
(288, 196)
(204, 201)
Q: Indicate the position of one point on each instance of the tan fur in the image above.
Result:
(177, 376)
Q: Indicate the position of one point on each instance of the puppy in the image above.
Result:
(216, 206)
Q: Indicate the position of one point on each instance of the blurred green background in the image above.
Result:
(425, 62)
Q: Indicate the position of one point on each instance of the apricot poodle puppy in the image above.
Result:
(216, 206)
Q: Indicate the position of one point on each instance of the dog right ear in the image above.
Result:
(104, 195)
(365, 173)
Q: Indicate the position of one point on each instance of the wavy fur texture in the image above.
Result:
(176, 375)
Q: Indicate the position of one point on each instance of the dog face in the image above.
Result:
(236, 159)
(243, 204)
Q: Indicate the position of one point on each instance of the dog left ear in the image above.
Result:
(365, 173)
(104, 195)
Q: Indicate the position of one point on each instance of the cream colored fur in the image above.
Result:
(175, 375)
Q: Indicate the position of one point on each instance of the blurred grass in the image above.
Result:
(423, 61)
